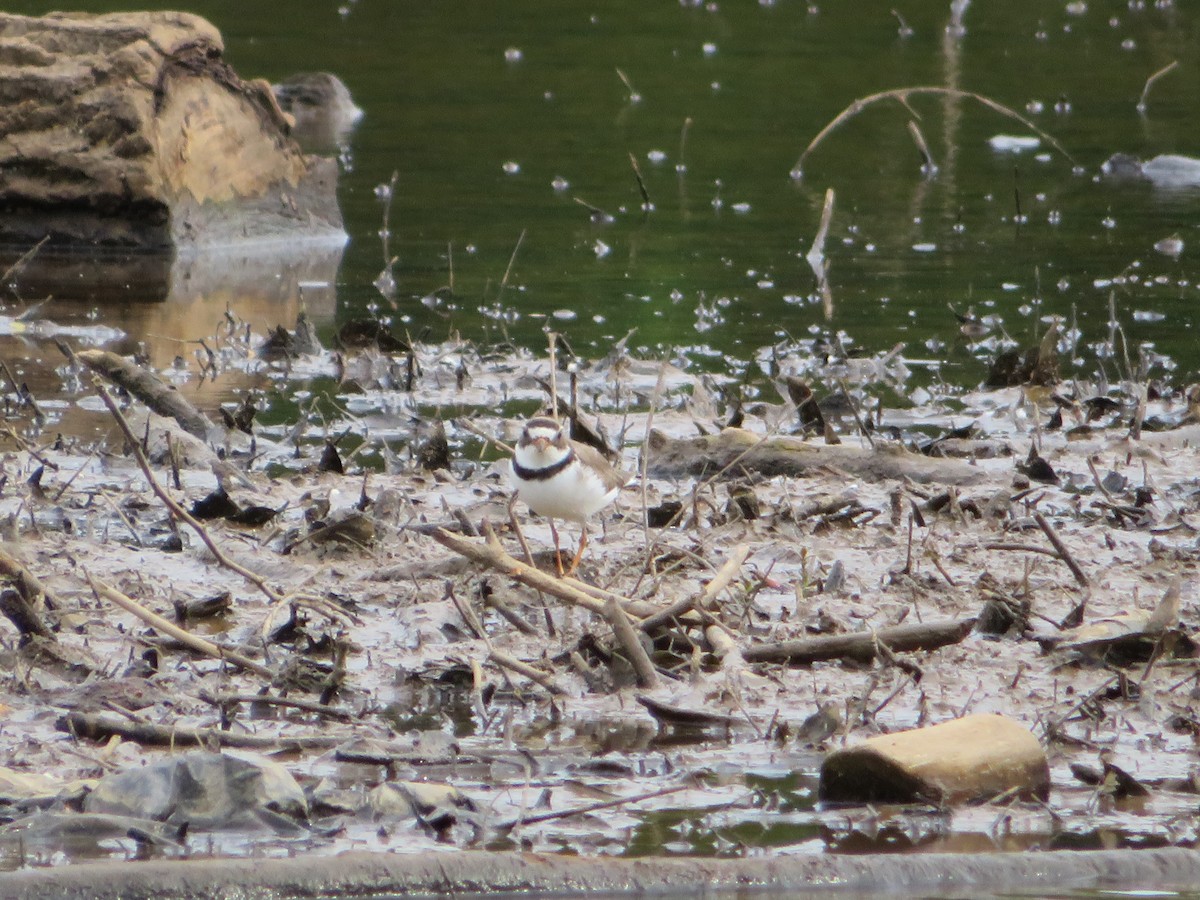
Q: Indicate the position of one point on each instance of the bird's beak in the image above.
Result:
(542, 443)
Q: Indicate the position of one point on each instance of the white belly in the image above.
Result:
(575, 494)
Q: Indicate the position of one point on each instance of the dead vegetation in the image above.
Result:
(760, 599)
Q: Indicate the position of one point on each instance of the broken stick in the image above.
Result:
(169, 628)
(490, 553)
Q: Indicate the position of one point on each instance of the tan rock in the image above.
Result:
(130, 130)
(976, 757)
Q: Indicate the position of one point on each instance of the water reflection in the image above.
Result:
(172, 311)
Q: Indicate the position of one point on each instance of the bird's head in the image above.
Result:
(543, 436)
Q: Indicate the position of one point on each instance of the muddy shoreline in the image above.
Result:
(476, 874)
(326, 631)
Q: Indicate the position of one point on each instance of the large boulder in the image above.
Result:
(130, 131)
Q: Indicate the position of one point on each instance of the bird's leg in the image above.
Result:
(579, 552)
(557, 552)
(516, 526)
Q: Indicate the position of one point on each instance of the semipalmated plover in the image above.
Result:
(562, 479)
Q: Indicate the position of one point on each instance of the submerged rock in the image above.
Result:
(1169, 170)
(129, 130)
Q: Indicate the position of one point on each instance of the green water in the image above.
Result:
(448, 105)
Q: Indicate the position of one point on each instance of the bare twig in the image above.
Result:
(508, 269)
(23, 394)
(641, 183)
(928, 167)
(513, 664)
(591, 807)
(23, 260)
(1021, 548)
(312, 706)
(492, 554)
(510, 615)
(681, 166)
(468, 425)
(1063, 553)
(719, 582)
(99, 726)
(29, 585)
(634, 96)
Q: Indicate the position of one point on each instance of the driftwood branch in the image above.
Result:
(862, 645)
(29, 585)
(24, 615)
(491, 554)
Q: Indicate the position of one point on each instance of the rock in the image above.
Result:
(403, 799)
(205, 790)
(129, 130)
(977, 757)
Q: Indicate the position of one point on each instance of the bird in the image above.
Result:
(562, 479)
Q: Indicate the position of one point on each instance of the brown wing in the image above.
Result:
(612, 477)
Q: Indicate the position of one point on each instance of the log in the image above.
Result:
(101, 727)
(158, 395)
(977, 757)
(862, 646)
(129, 131)
(744, 451)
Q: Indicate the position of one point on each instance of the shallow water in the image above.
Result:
(502, 124)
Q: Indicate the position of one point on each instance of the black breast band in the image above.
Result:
(542, 474)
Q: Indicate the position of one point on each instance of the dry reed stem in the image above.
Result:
(178, 512)
(1141, 104)
(641, 183)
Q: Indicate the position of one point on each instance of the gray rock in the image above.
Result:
(206, 790)
(1169, 170)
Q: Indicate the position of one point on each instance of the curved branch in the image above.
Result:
(901, 95)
